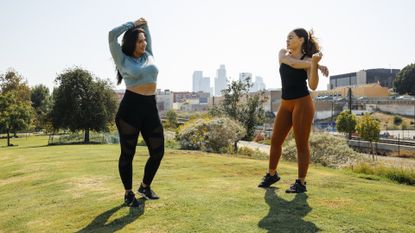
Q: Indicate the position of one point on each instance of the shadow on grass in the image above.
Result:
(286, 216)
(99, 224)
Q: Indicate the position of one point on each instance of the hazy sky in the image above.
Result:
(42, 38)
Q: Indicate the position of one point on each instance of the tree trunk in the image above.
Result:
(235, 147)
(8, 137)
(86, 139)
(373, 153)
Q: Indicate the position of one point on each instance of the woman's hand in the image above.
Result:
(140, 21)
(324, 70)
(316, 57)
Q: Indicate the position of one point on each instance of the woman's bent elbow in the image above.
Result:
(313, 87)
(111, 36)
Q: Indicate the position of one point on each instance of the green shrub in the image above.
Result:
(397, 120)
(400, 175)
(250, 153)
(209, 134)
(328, 150)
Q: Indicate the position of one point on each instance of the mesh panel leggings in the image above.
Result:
(138, 113)
(298, 114)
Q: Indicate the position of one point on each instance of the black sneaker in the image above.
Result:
(268, 180)
(130, 200)
(297, 187)
(147, 193)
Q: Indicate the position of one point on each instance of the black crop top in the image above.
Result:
(293, 82)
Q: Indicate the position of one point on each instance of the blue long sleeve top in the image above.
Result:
(135, 71)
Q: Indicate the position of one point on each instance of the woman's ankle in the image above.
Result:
(302, 180)
(272, 172)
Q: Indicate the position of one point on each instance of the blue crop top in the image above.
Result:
(135, 71)
(294, 82)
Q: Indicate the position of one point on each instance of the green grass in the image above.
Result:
(76, 188)
(400, 175)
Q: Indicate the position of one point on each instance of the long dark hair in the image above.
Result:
(310, 45)
(129, 41)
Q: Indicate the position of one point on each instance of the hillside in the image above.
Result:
(77, 188)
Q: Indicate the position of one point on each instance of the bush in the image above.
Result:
(328, 150)
(78, 138)
(400, 175)
(249, 153)
(403, 154)
(209, 134)
(397, 120)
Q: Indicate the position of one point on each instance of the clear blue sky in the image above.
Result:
(42, 38)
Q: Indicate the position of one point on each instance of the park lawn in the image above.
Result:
(76, 188)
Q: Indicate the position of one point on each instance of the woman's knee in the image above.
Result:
(157, 154)
(277, 141)
(125, 159)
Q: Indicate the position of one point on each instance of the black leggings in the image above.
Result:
(138, 113)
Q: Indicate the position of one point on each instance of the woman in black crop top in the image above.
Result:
(299, 65)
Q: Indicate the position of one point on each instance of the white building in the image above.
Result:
(221, 81)
(197, 80)
(259, 84)
(200, 83)
(164, 100)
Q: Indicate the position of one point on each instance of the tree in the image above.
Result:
(41, 102)
(14, 114)
(404, 82)
(172, 118)
(12, 82)
(346, 122)
(246, 108)
(369, 129)
(82, 103)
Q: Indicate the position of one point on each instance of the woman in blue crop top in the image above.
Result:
(299, 65)
(138, 109)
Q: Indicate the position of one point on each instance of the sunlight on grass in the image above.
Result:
(76, 188)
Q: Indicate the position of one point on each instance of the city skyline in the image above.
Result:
(47, 37)
(202, 84)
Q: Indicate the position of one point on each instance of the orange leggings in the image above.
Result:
(299, 114)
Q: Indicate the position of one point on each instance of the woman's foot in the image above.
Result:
(268, 180)
(297, 187)
(147, 192)
(130, 200)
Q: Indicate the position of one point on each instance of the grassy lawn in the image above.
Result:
(76, 188)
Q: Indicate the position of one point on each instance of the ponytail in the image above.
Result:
(310, 45)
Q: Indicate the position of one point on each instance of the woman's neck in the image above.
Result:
(296, 53)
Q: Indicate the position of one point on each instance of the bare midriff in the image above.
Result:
(144, 89)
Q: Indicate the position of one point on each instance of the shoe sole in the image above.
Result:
(279, 178)
(286, 191)
(132, 205)
(146, 197)
(143, 195)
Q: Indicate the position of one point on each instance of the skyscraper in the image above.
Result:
(221, 81)
(200, 83)
(258, 84)
(197, 80)
(205, 85)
